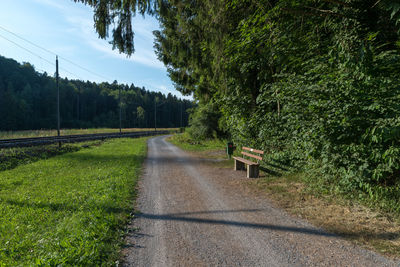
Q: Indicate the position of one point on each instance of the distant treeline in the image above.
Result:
(28, 101)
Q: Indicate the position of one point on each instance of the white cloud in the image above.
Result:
(51, 3)
(165, 89)
(144, 28)
(80, 31)
(144, 54)
(62, 50)
(144, 57)
(149, 84)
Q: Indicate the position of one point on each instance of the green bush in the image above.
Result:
(204, 122)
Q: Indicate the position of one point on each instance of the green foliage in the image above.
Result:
(119, 14)
(314, 83)
(28, 101)
(70, 209)
(141, 114)
(186, 142)
(204, 121)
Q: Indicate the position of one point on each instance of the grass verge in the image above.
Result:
(70, 209)
(13, 157)
(44, 133)
(185, 142)
(362, 223)
(354, 220)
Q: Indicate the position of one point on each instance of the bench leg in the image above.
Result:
(239, 165)
(252, 171)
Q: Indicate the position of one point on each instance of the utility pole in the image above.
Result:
(77, 104)
(181, 114)
(58, 102)
(155, 114)
(120, 110)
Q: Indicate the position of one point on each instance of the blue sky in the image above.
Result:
(66, 28)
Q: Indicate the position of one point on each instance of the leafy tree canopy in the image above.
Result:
(314, 82)
(119, 13)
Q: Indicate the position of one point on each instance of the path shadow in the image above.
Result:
(172, 217)
(177, 160)
(134, 236)
(212, 212)
(182, 217)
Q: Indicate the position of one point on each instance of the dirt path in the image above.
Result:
(196, 215)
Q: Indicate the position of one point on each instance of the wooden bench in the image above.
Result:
(252, 167)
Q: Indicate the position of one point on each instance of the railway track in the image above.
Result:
(37, 141)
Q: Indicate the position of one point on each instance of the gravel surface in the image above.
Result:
(193, 214)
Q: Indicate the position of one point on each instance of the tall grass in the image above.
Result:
(69, 209)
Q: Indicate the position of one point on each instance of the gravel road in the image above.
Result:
(193, 214)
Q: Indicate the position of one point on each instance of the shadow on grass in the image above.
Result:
(12, 158)
(270, 172)
(156, 159)
(90, 157)
(276, 166)
(282, 163)
(184, 217)
(65, 207)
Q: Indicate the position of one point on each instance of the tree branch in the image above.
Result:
(377, 2)
(338, 2)
(320, 12)
(325, 11)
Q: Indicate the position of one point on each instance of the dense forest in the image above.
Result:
(316, 83)
(28, 101)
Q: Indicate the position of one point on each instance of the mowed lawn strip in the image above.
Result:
(70, 209)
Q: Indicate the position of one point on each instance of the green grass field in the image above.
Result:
(43, 133)
(70, 209)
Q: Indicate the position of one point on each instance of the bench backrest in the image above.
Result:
(257, 153)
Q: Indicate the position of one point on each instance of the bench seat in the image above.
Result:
(241, 163)
(246, 161)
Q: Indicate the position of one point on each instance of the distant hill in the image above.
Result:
(28, 101)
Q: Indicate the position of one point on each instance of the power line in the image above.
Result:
(50, 52)
(26, 49)
(22, 38)
(42, 58)
(77, 76)
(76, 65)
